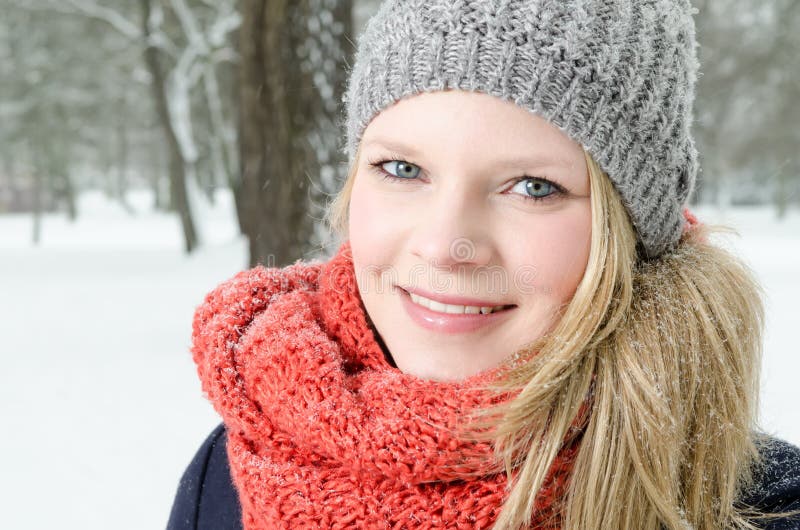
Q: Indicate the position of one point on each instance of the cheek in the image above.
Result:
(361, 211)
(379, 217)
(560, 254)
(374, 241)
(372, 229)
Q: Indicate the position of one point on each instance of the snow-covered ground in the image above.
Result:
(101, 407)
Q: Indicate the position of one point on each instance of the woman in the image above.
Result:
(523, 327)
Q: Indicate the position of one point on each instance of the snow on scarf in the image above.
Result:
(322, 431)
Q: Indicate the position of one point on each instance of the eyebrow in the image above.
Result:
(397, 147)
(504, 163)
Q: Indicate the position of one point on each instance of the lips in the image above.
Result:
(452, 322)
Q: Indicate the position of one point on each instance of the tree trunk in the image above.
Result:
(179, 198)
(343, 14)
(338, 42)
(8, 177)
(68, 193)
(121, 185)
(782, 194)
(37, 194)
(155, 167)
(279, 109)
(58, 157)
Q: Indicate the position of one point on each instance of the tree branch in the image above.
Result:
(82, 7)
(190, 26)
(114, 18)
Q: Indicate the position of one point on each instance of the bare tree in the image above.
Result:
(181, 44)
(177, 158)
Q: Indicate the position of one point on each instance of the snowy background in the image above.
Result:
(100, 402)
(101, 405)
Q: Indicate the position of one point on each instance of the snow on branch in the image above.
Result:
(86, 8)
(190, 26)
(112, 17)
(225, 24)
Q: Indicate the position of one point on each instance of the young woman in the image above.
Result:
(523, 327)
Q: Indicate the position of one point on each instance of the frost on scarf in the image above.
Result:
(322, 431)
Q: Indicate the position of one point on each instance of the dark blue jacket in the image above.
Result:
(207, 499)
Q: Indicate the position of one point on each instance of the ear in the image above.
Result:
(692, 222)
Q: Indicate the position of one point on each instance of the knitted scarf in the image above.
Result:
(322, 431)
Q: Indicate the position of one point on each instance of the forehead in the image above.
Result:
(470, 124)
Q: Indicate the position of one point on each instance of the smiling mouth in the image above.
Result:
(456, 309)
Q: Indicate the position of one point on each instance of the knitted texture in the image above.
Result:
(322, 431)
(617, 76)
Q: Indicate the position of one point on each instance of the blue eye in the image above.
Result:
(535, 188)
(403, 169)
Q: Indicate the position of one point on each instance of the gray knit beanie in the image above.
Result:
(617, 76)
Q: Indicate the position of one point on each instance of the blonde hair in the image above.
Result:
(665, 354)
(336, 214)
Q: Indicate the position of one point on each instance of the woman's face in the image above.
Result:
(470, 201)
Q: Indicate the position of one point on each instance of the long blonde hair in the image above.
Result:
(666, 354)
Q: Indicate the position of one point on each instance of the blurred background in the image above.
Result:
(150, 149)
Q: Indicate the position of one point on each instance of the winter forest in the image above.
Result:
(175, 97)
(150, 149)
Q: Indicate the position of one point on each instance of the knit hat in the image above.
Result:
(617, 76)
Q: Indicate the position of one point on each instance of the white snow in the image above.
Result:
(101, 406)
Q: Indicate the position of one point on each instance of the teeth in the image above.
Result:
(433, 305)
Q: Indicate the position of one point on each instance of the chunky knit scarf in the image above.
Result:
(322, 431)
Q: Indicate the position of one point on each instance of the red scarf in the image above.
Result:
(322, 431)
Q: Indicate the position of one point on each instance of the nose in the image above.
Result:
(451, 232)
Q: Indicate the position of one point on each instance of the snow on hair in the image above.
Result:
(666, 352)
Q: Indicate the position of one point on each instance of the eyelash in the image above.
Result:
(377, 166)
